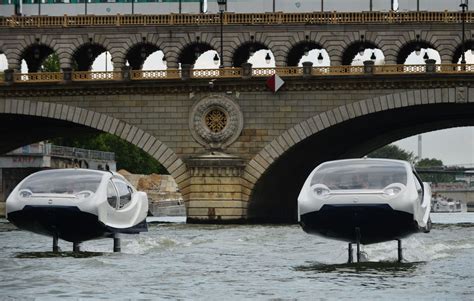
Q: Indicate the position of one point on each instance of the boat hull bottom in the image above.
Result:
(376, 223)
(66, 222)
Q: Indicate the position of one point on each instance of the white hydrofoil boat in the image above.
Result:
(78, 205)
(364, 201)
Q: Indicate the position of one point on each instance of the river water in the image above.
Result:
(251, 262)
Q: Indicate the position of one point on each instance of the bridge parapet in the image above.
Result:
(137, 75)
(279, 18)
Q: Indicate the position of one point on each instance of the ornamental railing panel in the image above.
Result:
(38, 77)
(95, 75)
(455, 68)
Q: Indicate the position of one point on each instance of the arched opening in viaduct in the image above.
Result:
(301, 50)
(246, 51)
(468, 52)
(192, 52)
(138, 54)
(274, 195)
(85, 56)
(358, 49)
(35, 55)
(418, 48)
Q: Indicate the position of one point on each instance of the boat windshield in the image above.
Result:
(63, 181)
(364, 174)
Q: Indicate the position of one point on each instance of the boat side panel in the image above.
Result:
(377, 222)
(68, 222)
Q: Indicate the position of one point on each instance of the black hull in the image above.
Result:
(377, 223)
(67, 222)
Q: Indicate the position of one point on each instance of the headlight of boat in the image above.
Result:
(25, 193)
(392, 190)
(84, 194)
(320, 190)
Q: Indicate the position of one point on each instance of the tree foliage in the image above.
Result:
(434, 164)
(429, 163)
(51, 64)
(127, 155)
(392, 151)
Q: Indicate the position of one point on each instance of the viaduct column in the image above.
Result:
(215, 190)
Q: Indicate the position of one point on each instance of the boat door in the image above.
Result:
(128, 207)
(423, 205)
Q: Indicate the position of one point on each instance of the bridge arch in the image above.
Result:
(468, 45)
(137, 49)
(275, 175)
(354, 48)
(54, 118)
(84, 55)
(245, 50)
(409, 47)
(191, 52)
(138, 53)
(34, 55)
(299, 50)
(45, 46)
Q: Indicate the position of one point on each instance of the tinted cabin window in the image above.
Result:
(125, 192)
(362, 174)
(63, 181)
(111, 195)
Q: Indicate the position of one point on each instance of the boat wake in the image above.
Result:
(417, 249)
(381, 266)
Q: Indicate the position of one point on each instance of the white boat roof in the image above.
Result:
(78, 170)
(368, 160)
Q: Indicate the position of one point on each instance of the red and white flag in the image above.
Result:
(274, 83)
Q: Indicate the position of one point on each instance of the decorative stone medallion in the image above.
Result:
(216, 121)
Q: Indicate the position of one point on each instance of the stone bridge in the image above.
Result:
(237, 150)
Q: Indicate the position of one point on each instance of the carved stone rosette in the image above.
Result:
(216, 121)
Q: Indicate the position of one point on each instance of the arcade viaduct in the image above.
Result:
(237, 150)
